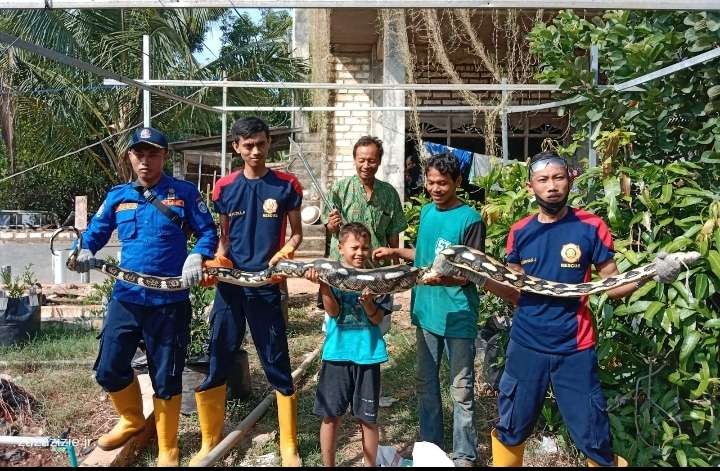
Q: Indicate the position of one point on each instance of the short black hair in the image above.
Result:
(246, 127)
(356, 229)
(445, 163)
(367, 141)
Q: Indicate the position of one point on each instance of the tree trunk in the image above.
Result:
(7, 112)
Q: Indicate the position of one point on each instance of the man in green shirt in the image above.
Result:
(365, 199)
(445, 309)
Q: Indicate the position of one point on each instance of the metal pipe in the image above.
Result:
(43, 442)
(71, 61)
(488, 87)
(300, 154)
(479, 4)
(504, 126)
(349, 86)
(234, 437)
(146, 77)
(595, 72)
(223, 139)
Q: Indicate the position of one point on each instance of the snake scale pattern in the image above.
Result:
(457, 260)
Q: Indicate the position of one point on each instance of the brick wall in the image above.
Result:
(348, 126)
(469, 73)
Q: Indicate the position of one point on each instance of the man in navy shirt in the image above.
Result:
(153, 244)
(255, 204)
(552, 340)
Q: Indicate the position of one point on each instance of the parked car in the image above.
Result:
(20, 219)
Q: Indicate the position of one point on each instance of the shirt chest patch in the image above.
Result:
(270, 208)
(174, 202)
(570, 254)
(126, 207)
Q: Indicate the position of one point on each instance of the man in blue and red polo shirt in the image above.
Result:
(552, 339)
(255, 204)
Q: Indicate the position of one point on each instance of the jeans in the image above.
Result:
(461, 357)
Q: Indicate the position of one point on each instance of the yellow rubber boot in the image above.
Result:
(287, 420)
(128, 404)
(504, 455)
(211, 415)
(618, 462)
(167, 416)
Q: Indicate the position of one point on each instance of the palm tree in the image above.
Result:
(51, 109)
(68, 106)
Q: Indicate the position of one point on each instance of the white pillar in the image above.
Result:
(58, 264)
(393, 122)
(146, 76)
(504, 123)
(223, 138)
(301, 48)
(595, 70)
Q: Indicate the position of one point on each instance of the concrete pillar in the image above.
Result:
(58, 264)
(301, 48)
(393, 122)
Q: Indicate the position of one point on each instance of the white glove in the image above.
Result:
(84, 261)
(192, 270)
(667, 268)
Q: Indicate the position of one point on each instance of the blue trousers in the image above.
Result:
(165, 329)
(260, 307)
(576, 386)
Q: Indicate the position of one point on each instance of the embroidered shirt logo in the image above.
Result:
(125, 207)
(270, 208)
(570, 254)
(174, 202)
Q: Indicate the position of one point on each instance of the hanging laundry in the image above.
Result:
(464, 157)
(480, 166)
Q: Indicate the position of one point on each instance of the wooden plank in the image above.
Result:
(126, 455)
(81, 212)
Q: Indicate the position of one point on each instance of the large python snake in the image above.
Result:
(456, 260)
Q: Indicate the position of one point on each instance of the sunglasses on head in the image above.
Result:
(543, 163)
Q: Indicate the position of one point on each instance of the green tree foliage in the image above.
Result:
(57, 109)
(658, 190)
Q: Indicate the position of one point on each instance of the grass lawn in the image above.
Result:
(70, 399)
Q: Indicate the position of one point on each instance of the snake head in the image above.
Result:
(686, 258)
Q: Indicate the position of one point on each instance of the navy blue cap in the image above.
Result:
(148, 136)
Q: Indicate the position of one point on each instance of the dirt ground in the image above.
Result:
(71, 402)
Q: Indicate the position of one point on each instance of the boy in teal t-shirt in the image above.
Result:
(445, 309)
(352, 353)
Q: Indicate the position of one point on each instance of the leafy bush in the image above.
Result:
(658, 188)
(18, 285)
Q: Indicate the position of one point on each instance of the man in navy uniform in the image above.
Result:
(552, 340)
(255, 204)
(153, 216)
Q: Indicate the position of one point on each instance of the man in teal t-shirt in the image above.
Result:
(445, 309)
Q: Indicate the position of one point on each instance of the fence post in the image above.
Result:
(81, 224)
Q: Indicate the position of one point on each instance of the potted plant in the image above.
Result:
(20, 301)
